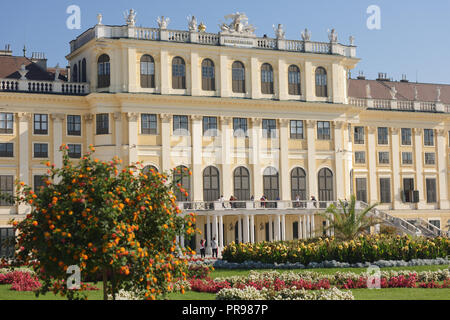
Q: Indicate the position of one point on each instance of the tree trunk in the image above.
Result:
(105, 284)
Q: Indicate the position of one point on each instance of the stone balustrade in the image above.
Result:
(404, 105)
(34, 86)
(156, 34)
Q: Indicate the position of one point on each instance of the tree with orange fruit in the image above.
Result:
(120, 223)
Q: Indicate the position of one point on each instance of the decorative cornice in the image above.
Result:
(338, 124)
(88, 117)
(371, 130)
(24, 116)
(165, 117)
(256, 121)
(117, 116)
(58, 117)
(196, 117)
(284, 122)
(311, 123)
(395, 131)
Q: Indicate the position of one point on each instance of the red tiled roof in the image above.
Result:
(10, 66)
(405, 90)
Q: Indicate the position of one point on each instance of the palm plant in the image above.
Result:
(348, 222)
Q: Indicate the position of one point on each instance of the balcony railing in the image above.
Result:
(403, 105)
(156, 34)
(32, 86)
(261, 206)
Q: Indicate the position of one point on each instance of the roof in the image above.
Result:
(357, 88)
(10, 66)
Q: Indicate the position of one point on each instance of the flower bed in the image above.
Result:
(251, 293)
(273, 280)
(364, 249)
(20, 281)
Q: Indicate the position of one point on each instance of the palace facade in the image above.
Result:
(250, 116)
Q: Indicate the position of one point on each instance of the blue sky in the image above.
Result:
(413, 39)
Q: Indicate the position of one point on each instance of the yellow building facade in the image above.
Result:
(250, 116)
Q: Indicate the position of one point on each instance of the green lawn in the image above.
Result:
(360, 294)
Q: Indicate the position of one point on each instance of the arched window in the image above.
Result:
(75, 73)
(83, 71)
(149, 168)
(266, 79)
(321, 82)
(211, 184)
(326, 192)
(241, 180)
(104, 71)
(294, 80)
(147, 72)
(238, 77)
(298, 184)
(271, 183)
(208, 75)
(181, 176)
(178, 73)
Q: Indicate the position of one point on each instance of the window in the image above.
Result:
(321, 82)
(271, 184)
(102, 123)
(104, 71)
(41, 150)
(385, 190)
(408, 190)
(149, 124)
(83, 71)
(294, 80)
(147, 72)
(40, 124)
(431, 190)
(210, 126)
(181, 176)
(6, 150)
(383, 157)
(180, 125)
(406, 136)
(361, 189)
(323, 130)
(435, 222)
(75, 73)
(6, 122)
(241, 183)
(266, 79)
(326, 192)
(430, 158)
(38, 182)
(74, 151)
(269, 128)
(407, 158)
(238, 77)
(148, 169)
(298, 184)
(7, 242)
(297, 129)
(240, 127)
(383, 136)
(211, 184)
(208, 76)
(360, 157)
(74, 125)
(178, 73)
(6, 187)
(359, 135)
(428, 137)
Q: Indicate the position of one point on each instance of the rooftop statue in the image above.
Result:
(99, 18)
(352, 40)
(239, 24)
(192, 23)
(332, 36)
(201, 27)
(416, 93)
(130, 17)
(306, 35)
(279, 31)
(393, 93)
(438, 93)
(163, 22)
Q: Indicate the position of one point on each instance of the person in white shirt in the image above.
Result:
(214, 247)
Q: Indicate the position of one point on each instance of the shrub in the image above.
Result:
(364, 249)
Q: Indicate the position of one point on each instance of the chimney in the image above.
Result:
(361, 76)
(40, 59)
(404, 79)
(7, 51)
(383, 77)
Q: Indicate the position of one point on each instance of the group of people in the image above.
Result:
(214, 247)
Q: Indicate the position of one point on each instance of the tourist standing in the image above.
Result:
(203, 248)
(214, 247)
